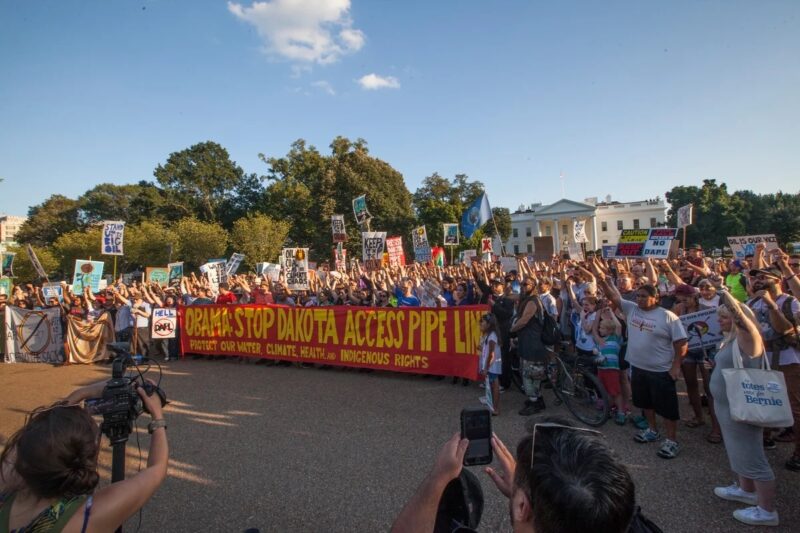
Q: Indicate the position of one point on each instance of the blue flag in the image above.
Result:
(476, 215)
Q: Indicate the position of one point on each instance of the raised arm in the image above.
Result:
(749, 337)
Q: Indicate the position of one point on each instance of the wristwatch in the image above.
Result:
(155, 424)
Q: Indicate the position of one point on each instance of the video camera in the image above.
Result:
(120, 405)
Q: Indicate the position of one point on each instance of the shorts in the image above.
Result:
(655, 390)
(609, 377)
(623, 364)
(492, 377)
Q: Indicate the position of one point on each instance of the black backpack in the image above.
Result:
(551, 332)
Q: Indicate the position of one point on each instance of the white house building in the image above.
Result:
(9, 226)
(604, 221)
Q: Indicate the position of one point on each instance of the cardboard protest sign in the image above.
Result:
(653, 242)
(579, 231)
(214, 271)
(5, 288)
(35, 262)
(373, 244)
(53, 290)
(394, 247)
(609, 251)
(702, 328)
(450, 234)
(746, 245)
(575, 252)
(340, 258)
(165, 322)
(232, 265)
(33, 336)
(87, 274)
(486, 245)
(338, 229)
(685, 216)
(113, 234)
(419, 241)
(360, 209)
(7, 264)
(175, 274)
(508, 264)
(468, 255)
(158, 275)
(294, 263)
(543, 248)
(270, 271)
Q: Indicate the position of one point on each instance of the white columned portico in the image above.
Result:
(595, 246)
(556, 239)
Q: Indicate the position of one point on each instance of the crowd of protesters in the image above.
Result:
(622, 313)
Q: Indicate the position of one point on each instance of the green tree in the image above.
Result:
(199, 241)
(78, 245)
(23, 268)
(199, 180)
(129, 203)
(502, 217)
(49, 220)
(149, 244)
(259, 238)
(717, 214)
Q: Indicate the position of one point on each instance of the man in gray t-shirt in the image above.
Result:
(657, 343)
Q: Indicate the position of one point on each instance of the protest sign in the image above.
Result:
(468, 255)
(158, 275)
(394, 247)
(340, 258)
(35, 262)
(294, 263)
(113, 234)
(408, 339)
(360, 209)
(7, 264)
(450, 234)
(543, 248)
(486, 245)
(419, 241)
(272, 271)
(684, 216)
(373, 244)
(165, 322)
(53, 290)
(232, 265)
(87, 274)
(87, 341)
(746, 245)
(575, 252)
(702, 328)
(33, 336)
(609, 251)
(213, 270)
(338, 229)
(508, 264)
(653, 242)
(579, 231)
(5, 287)
(175, 274)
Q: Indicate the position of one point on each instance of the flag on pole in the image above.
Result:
(476, 215)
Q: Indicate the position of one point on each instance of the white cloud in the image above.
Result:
(324, 86)
(310, 31)
(373, 82)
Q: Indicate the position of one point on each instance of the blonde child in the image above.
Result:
(607, 333)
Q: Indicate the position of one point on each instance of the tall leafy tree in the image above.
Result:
(259, 237)
(200, 241)
(199, 180)
(23, 268)
(78, 244)
(49, 220)
(129, 203)
(717, 214)
(149, 244)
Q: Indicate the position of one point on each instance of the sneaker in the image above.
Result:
(735, 493)
(647, 435)
(483, 400)
(620, 419)
(756, 516)
(502, 389)
(166, 358)
(532, 408)
(669, 450)
(640, 422)
(482, 385)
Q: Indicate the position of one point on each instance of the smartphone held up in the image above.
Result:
(476, 426)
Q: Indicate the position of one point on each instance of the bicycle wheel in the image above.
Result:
(585, 397)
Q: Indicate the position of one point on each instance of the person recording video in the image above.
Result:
(48, 470)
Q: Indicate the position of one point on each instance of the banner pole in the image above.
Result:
(114, 278)
(497, 232)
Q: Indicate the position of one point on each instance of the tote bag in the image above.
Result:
(757, 396)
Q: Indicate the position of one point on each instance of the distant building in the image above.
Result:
(604, 221)
(9, 226)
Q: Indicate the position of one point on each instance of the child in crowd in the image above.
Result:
(490, 362)
(607, 334)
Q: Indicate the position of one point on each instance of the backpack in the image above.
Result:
(790, 339)
(551, 332)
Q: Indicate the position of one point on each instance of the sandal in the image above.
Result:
(695, 423)
(714, 438)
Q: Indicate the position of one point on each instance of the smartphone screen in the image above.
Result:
(515, 287)
(476, 426)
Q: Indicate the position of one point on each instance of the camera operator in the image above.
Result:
(49, 472)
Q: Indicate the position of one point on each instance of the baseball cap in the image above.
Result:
(771, 272)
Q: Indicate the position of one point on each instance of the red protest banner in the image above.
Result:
(408, 339)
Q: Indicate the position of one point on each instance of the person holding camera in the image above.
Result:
(48, 470)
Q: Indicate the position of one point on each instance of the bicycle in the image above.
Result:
(572, 379)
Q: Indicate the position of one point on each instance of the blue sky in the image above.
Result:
(624, 98)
